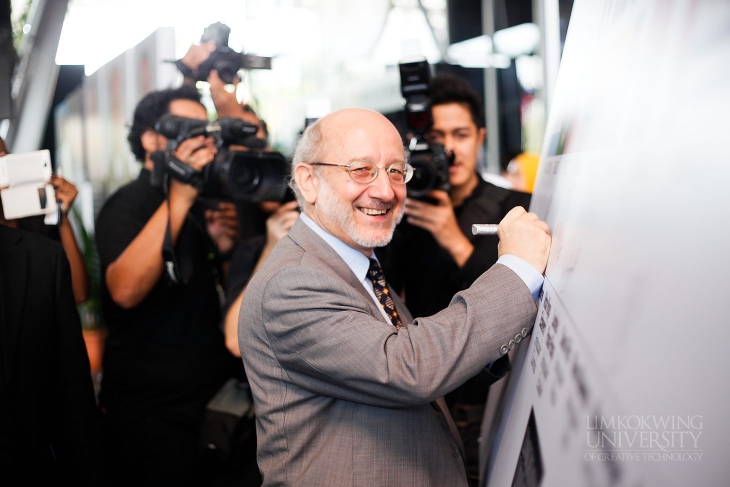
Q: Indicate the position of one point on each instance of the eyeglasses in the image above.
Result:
(366, 172)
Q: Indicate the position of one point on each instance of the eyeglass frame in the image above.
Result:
(407, 177)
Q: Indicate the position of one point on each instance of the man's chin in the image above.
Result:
(370, 234)
(372, 243)
(382, 239)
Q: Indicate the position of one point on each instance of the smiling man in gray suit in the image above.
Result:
(347, 391)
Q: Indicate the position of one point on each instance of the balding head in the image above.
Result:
(361, 215)
(337, 126)
(328, 133)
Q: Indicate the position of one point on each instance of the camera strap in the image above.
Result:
(180, 273)
(176, 273)
(182, 172)
(168, 254)
(184, 69)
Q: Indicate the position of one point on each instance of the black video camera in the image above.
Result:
(224, 59)
(252, 175)
(430, 160)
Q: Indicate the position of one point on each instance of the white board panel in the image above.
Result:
(627, 379)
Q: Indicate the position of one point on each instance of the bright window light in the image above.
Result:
(403, 26)
(518, 40)
(476, 53)
(96, 32)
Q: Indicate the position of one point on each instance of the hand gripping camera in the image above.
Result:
(224, 59)
(252, 175)
(430, 160)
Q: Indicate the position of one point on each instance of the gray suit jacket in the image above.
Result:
(341, 398)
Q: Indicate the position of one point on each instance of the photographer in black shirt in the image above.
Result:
(433, 254)
(165, 355)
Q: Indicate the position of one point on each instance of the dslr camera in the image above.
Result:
(254, 175)
(430, 160)
(224, 59)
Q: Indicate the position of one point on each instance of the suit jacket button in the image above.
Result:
(518, 338)
(524, 332)
(511, 344)
(503, 349)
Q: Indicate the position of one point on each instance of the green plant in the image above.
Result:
(89, 310)
(18, 25)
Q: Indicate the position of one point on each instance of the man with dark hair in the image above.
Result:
(434, 255)
(149, 110)
(165, 355)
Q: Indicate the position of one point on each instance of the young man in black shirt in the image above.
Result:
(433, 254)
(165, 355)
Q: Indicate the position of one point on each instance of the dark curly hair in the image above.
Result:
(150, 109)
(447, 88)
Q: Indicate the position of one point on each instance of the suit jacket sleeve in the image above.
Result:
(327, 339)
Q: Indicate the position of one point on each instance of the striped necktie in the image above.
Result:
(375, 273)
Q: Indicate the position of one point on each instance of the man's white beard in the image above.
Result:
(340, 213)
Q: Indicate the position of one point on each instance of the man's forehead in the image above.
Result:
(188, 108)
(452, 116)
(363, 147)
(359, 131)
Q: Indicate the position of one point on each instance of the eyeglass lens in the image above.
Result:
(364, 172)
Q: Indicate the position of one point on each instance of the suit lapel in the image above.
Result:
(306, 238)
(14, 259)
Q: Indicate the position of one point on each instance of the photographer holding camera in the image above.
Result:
(215, 62)
(165, 355)
(433, 254)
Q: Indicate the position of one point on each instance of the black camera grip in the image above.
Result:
(182, 172)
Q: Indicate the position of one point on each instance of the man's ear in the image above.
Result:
(481, 134)
(149, 141)
(307, 182)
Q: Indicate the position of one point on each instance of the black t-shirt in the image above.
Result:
(251, 219)
(418, 267)
(243, 262)
(167, 354)
(415, 264)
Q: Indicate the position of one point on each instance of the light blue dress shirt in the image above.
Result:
(360, 264)
(355, 259)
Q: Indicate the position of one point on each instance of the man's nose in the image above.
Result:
(448, 143)
(382, 186)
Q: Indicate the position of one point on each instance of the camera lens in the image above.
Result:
(424, 175)
(256, 176)
(226, 71)
(246, 176)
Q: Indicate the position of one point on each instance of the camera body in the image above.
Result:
(430, 160)
(430, 163)
(224, 59)
(253, 176)
(237, 175)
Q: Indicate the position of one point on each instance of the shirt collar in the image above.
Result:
(358, 263)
